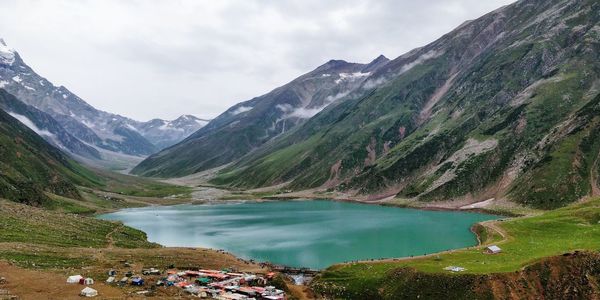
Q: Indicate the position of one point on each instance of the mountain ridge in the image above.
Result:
(250, 124)
(491, 92)
(95, 128)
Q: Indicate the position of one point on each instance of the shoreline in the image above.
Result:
(355, 201)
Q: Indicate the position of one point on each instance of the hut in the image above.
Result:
(493, 249)
(88, 292)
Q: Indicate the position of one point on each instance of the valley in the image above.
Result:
(466, 168)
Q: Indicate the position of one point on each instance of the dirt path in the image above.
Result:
(594, 179)
(109, 237)
(494, 226)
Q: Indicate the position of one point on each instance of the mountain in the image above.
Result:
(30, 167)
(110, 134)
(250, 124)
(505, 106)
(167, 133)
(44, 125)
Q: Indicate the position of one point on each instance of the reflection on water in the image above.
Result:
(311, 234)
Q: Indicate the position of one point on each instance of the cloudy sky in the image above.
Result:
(163, 58)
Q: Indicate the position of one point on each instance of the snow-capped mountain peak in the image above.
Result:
(7, 54)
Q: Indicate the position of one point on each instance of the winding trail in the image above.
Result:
(109, 237)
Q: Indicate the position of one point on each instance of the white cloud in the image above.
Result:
(240, 110)
(148, 59)
(27, 122)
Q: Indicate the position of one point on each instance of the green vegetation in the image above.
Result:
(25, 224)
(528, 239)
(140, 187)
(518, 92)
(30, 167)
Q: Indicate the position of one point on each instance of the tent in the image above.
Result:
(110, 279)
(137, 281)
(88, 281)
(89, 292)
(74, 279)
(493, 249)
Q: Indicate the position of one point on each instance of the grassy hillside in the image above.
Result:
(29, 166)
(25, 224)
(499, 107)
(524, 241)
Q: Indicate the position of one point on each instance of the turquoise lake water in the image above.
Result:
(312, 234)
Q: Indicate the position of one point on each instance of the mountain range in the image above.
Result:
(250, 124)
(504, 106)
(77, 127)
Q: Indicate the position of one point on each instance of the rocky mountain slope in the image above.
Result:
(504, 106)
(107, 132)
(29, 166)
(250, 124)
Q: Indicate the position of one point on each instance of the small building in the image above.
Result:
(74, 278)
(493, 249)
(88, 292)
(454, 269)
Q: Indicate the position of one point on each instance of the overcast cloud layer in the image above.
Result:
(147, 59)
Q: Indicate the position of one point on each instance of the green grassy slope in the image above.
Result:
(515, 81)
(528, 240)
(29, 166)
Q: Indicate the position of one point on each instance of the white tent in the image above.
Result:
(88, 281)
(493, 249)
(110, 279)
(74, 279)
(89, 292)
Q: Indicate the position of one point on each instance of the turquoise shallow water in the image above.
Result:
(311, 234)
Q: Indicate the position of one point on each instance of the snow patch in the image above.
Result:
(326, 75)
(241, 109)
(17, 79)
(131, 127)
(351, 76)
(3, 83)
(7, 54)
(27, 122)
(28, 87)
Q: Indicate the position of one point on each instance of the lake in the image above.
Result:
(312, 234)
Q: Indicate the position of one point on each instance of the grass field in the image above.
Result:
(526, 240)
(140, 187)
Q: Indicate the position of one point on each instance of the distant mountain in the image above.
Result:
(505, 106)
(167, 133)
(107, 132)
(250, 124)
(29, 166)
